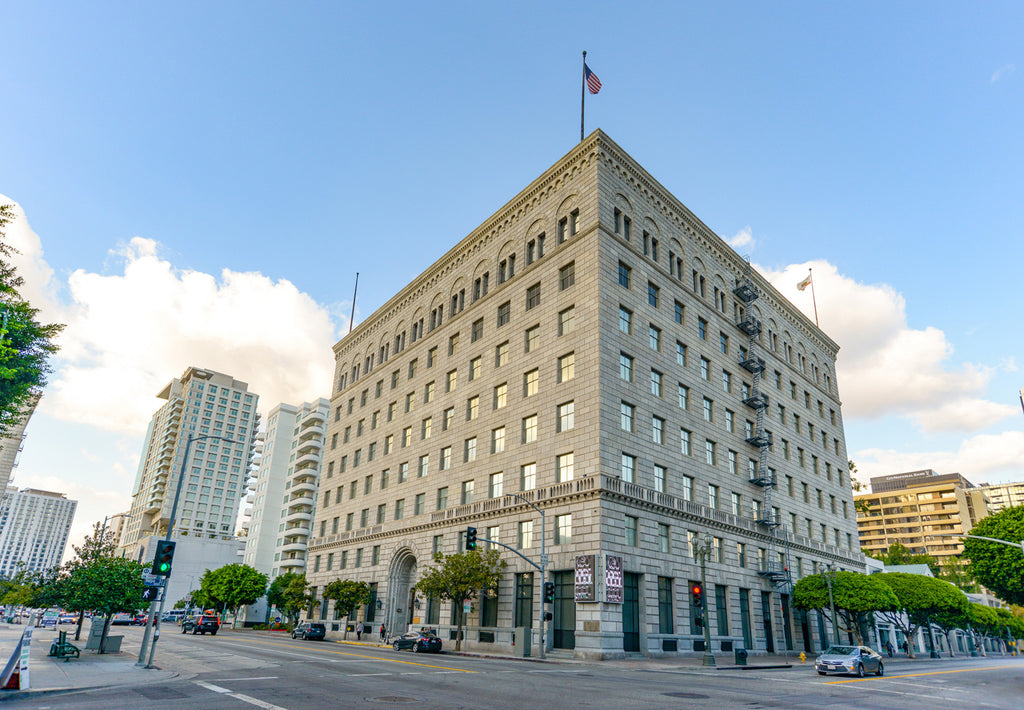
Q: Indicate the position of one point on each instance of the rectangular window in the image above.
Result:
(705, 369)
(400, 509)
(702, 329)
(495, 487)
(469, 450)
(660, 475)
(666, 624)
(653, 293)
(452, 381)
(567, 276)
(567, 321)
(501, 395)
(681, 354)
(403, 472)
(532, 339)
(632, 531)
(426, 427)
(625, 320)
(709, 410)
(530, 382)
(658, 430)
(533, 296)
(497, 440)
(472, 408)
(654, 337)
(679, 312)
(467, 492)
(474, 368)
(525, 534)
(684, 442)
(629, 468)
(566, 367)
(447, 417)
(656, 378)
(419, 504)
(684, 396)
(563, 529)
(564, 467)
(626, 416)
(442, 498)
(504, 313)
(530, 429)
(688, 488)
(446, 458)
(528, 477)
(709, 451)
(625, 367)
(624, 274)
(501, 354)
(566, 416)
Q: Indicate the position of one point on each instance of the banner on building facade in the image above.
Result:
(586, 578)
(613, 579)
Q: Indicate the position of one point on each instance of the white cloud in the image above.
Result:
(743, 239)
(1001, 72)
(885, 366)
(129, 334)
(40, 288)
(986, 458)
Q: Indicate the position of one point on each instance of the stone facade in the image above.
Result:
(579, 352)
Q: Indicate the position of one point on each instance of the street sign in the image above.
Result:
(152, 580)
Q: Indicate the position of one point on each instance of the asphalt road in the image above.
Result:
(244, 671)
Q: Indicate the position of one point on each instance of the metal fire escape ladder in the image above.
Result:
(772, 568)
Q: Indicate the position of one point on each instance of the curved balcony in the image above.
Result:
(298, 515)
(297, 546)
(293, 562)
(302, 500)
(310, 427)
(307, 486)
(310, 457)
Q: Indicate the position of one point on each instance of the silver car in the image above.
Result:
(857, 660)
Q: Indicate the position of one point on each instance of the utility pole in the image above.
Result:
(830, 578)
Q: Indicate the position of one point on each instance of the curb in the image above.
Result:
(40, 692)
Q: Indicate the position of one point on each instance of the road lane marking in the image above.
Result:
(262, 677)
(238, 696)
(354, 655)
(918, 675)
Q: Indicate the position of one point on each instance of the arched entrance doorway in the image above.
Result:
(401, 577)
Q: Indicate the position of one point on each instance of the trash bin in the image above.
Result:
(740, 656)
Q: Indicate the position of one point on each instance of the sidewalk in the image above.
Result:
(91, 670)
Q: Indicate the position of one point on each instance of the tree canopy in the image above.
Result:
(347, 595)
(855, 596)
(25, 344)
(900, 554)
(288, 592)
(921, 600)
(234, 586)
(460, 577)
(999, 567)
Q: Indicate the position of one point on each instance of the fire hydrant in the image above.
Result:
(803, 657)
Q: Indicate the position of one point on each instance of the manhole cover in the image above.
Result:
(160, 693)
(692, 696)
(393, 699)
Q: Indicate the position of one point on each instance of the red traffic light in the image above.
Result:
(696, 589)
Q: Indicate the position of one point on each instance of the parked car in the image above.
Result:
(69, 618)
(307, 630)
(418, 642)
(204, 624)
(857, 660)
(123, 619)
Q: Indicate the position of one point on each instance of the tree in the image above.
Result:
(206, 597)
(236, 585)
(855, 596)
(288, 593)
(921, 599)
(861, 506)
(108, 585)
(460, 577)
(347, 595)
(999, 567)
(98, 545)
(25, 344)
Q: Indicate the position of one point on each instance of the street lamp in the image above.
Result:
(702, 549)
(543, 571)
(830, 578)
(170, 528)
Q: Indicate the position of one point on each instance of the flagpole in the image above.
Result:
(583, 94)
(814, 299)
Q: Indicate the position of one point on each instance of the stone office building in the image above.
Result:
(595, 352)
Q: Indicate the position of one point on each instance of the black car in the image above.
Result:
(419, 642)
(204, 624)
(307, 630)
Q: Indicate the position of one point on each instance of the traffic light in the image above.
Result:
(549, 592)
(470, 538)
(697, 597)
(164, 557)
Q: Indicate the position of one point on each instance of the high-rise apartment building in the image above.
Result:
(218, 412)
(922, 510)
(1001, 496)
(595, 354)
(11, 443)
(34, 527)
(284, 492)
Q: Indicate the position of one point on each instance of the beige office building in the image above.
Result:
(922, 510)
(1001, 496)
(594, 353)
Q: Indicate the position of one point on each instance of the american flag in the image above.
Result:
(593, 83)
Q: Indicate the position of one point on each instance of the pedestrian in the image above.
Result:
(359, 632)
(383, 633)
(904, 647)
(888, 648)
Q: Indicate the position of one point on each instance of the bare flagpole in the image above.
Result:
(352, 317)
(583, 94)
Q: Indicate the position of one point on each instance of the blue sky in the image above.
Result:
(200, 183)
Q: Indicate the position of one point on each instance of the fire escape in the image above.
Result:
(775, 566)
